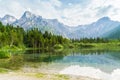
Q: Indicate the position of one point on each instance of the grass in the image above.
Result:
(2, 70)
(4, 54)
(98, 46)
(60, 77)
(40, 75)
(37, 75)
(12, 48)
(46, 76)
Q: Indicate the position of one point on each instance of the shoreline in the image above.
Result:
(39, 76)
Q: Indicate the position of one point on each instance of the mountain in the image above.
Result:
(29, 20)
(103, 27)
(8, 19)
(113, 34)
(96, 29)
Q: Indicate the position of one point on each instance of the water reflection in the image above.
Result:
(14, 62)
(105, 60)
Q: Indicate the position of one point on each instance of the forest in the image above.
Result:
(33, 38)
(17, 37)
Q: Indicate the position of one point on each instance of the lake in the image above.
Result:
(101, 64)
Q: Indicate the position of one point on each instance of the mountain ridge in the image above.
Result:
(8, 19)
(29, 20)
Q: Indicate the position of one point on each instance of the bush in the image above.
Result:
(86, 45)
(4, 54)
(71, 46)
(58, 46)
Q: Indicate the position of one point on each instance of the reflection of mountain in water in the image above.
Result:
(104, 60)
(115, 55)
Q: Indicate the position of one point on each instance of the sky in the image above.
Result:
(69, 12)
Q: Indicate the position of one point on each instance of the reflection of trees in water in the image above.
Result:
(97, 52)
(14, 63)
(51, 56)
(41, 56)
(91, 51)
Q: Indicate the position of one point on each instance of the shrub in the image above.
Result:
(58, 46)
(4, 54)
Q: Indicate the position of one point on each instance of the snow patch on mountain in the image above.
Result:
(29, 20)
(8, 19)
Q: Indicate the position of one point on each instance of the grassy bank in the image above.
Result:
(6, 51)
(96, 46)
(12, 48)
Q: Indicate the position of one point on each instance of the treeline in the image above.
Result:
(33, 38)
(10, 35)
(36, 39)
(91, 40)
(16, 36)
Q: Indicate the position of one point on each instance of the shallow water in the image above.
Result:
(96, 64)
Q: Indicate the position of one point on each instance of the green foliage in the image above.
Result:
(58, 46)
(86, 45)
(16, 37)
(61, 77)
(39, 75)
(71, 46)
(91, 40)
(36, 39)
(4, 54)
(2, 70)
(14, 63)
(10, 35)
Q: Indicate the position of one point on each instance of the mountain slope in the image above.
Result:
(8, 19)
(96, 29)
(28, 20)
(113, 34)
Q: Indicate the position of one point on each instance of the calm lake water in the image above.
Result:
(57, 61)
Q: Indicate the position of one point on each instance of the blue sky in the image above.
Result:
(69, 12)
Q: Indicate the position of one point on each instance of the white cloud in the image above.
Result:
(56, 3)
(12, 8)
(77, 15)
(48, 10)
(87, 14)
(72, 14)
(44, 8)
